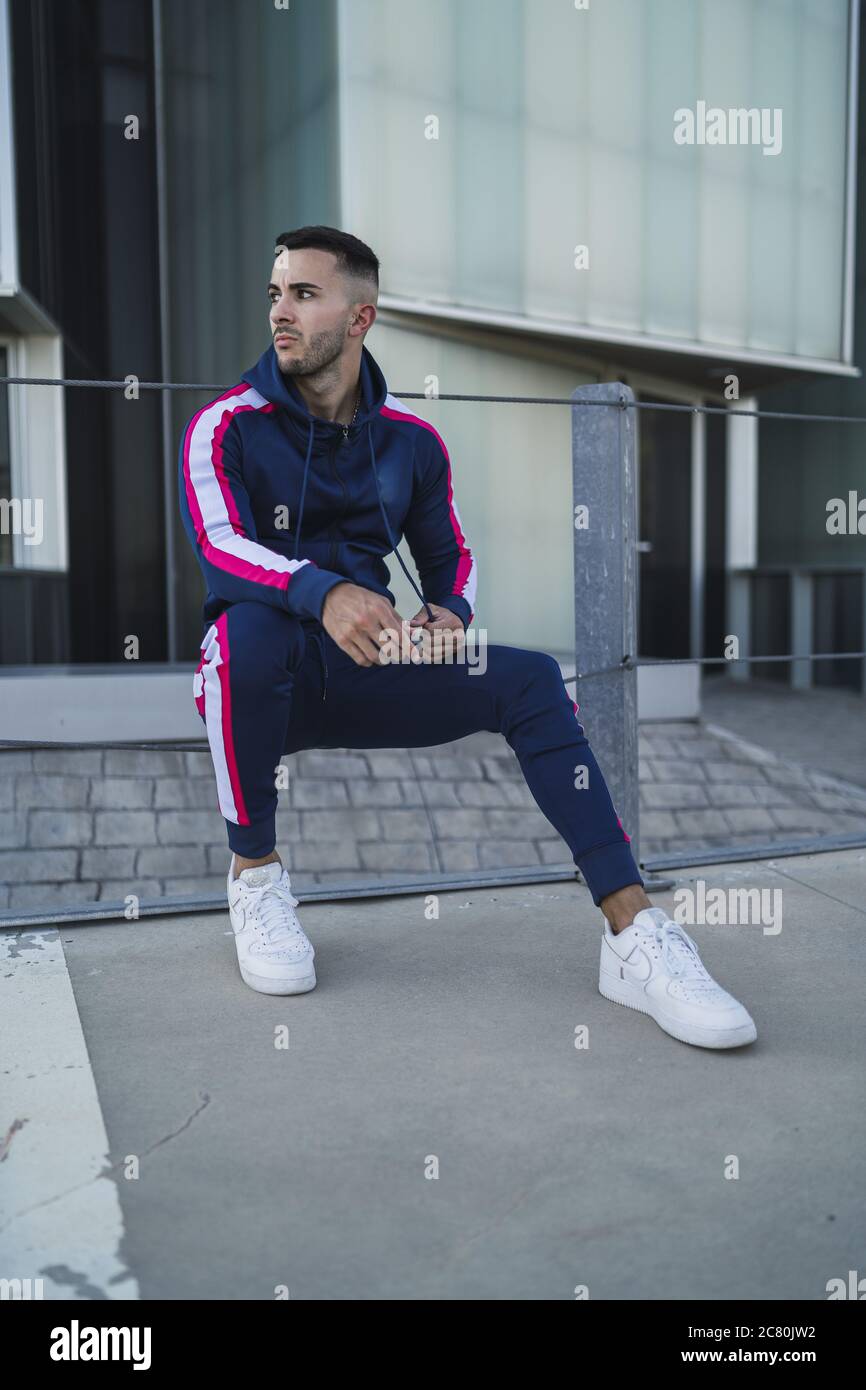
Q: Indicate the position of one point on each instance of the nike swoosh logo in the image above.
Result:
(636, 968)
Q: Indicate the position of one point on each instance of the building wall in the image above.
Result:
(554, 128)
(86, 266)
(803, 466)
(511, 467)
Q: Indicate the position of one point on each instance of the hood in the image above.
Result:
(315, 435)
(281, 390)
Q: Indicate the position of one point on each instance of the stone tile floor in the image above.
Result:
(760, 766)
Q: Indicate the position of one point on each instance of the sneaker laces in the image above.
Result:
(272, 908)
(679, 955)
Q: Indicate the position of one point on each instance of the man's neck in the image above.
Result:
(332, 403)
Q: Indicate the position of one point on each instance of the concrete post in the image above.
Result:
(605, 565)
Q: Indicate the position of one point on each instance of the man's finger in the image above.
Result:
(370, 646)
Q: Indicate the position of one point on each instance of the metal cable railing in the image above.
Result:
(627, 663)
(797, 416)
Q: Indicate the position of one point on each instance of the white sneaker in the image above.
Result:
(274, 955)
(654, 966)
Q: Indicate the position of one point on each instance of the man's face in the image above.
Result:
(309, 314)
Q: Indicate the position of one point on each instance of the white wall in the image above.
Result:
(511, 468)
(39, 451)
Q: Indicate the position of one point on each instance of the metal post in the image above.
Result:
(605, 565)
(741, 527)
(169, 473)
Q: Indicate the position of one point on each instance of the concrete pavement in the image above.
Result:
(448, 1046)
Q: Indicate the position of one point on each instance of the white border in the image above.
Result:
(60, 1201)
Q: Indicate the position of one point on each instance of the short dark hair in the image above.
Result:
(355, 260)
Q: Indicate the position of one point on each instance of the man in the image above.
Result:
(294, 487)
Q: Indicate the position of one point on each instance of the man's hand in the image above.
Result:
(434, 645)
(354, 617)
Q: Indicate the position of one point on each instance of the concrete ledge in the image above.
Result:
(663, 692)
(98, 702)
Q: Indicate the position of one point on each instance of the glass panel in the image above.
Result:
(251, 151)
(838, 627)
(554, 128)
(665, 521)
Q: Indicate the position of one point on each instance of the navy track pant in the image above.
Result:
(268, 684)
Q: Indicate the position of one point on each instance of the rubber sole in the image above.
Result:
(265, 985)
(622, 992)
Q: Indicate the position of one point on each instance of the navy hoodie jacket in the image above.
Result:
(280, 505)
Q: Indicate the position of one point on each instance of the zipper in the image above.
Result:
(332, 554)
(324, 666)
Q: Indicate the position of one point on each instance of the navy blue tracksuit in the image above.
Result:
(271, 681)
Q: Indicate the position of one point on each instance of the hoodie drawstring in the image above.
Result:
(388, 530)
(320, 632)
(388, 524)
(304, 488)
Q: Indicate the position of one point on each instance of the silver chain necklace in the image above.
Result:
(346, 428)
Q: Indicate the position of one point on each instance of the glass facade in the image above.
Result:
(251, 151)
(554, 128)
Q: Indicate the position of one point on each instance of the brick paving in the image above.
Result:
(824, 728)
(701, 786)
